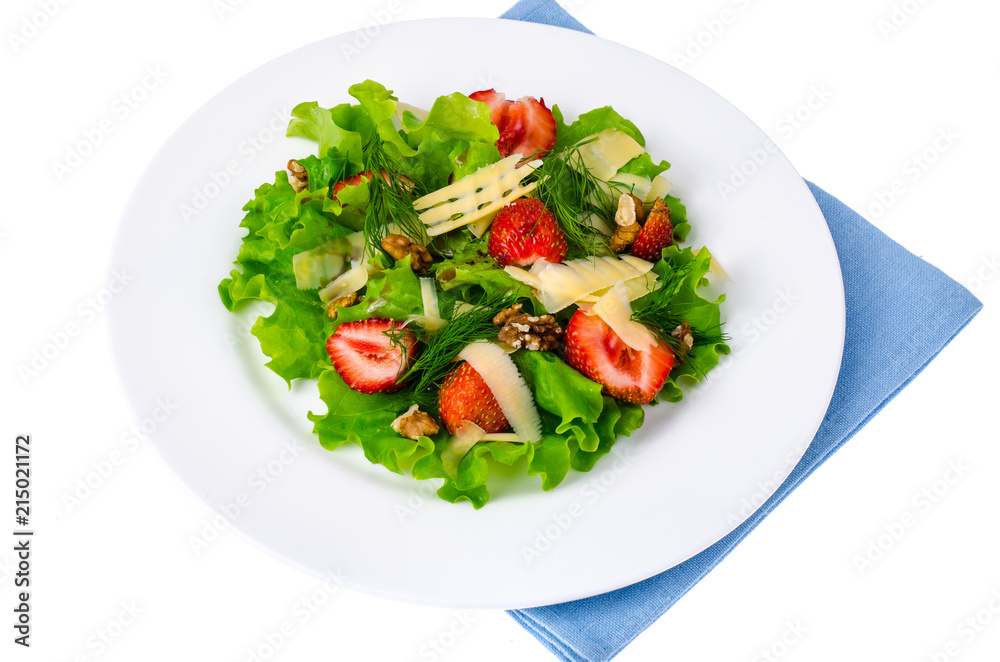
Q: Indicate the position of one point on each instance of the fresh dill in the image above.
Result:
(390, 198)
(436, 358)
(571, 191)
(661, 314)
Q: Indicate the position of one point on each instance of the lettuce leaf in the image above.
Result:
(391, 294)
(678, 217)
(592, 122)
(699, 312)
(471, 274)
(365, 420)
(343, 128)
(281, 224)
(643, 166)
(380, 106)
(456, 139)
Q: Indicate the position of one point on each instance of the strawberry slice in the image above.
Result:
(656, 234)
(350, 181)
(594, 349)
(497, 102)
(466, 397)
(525, 231)
(370, 359)
(354, 180)
(526, 126)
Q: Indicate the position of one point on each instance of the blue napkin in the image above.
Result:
(901, 311)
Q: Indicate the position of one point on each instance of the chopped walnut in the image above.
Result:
(685, 336)
(297, 176)
(399, 247)
(501, 318)
(523, 331)
(414, 423)
(627, 219)
(345, 301)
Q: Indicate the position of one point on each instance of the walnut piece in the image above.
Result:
(345, 301)
(399, 247)
(297, 176)
(523, 331)
(414, 423)
(685, 336)
(627, 219)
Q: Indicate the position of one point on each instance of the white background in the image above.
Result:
(879, 98)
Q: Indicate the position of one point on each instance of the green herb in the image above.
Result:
(661, 313)
(435, 359)
(390, 198)
(573, 194)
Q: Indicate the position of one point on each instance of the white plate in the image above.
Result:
(688, 477)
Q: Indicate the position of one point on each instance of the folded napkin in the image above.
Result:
(897, 306)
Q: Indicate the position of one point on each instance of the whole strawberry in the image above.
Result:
(656, 234)
(523, 232)
(466, 397)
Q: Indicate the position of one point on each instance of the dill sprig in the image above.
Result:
(661, 314)
(435, 359)
(571, 191)
(390, 198)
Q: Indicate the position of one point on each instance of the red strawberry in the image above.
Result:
(656, 234)
(354, 180)
(526, 126)
(350, 181)
(466, 397)
(496, 101)
(366, 358)
(523, 232)
(597, 351)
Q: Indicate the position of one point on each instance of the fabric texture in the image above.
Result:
(901, 311)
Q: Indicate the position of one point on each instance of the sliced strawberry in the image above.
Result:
(354, 180)
(597, 351)
(371, 355)
(656, 234)
(525, 231)
(496, 101)
(466, 397)
(526, 126)
(350, 181)
(530, 131)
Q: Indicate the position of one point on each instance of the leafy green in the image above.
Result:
(662, 314)
(678, 217)
(391, 294)
(592, 122)
(643, 166)
(456, 139)
(380, 106)
(472, 274)
(281, 224)
(365, 420)
(343, 128)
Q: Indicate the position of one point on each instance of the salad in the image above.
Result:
(476, 284)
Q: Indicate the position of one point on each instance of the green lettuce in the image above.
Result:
(696, 310)
(456, 139)
(592, 122)
(643, 166)
(281, 223)
(471, 275)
